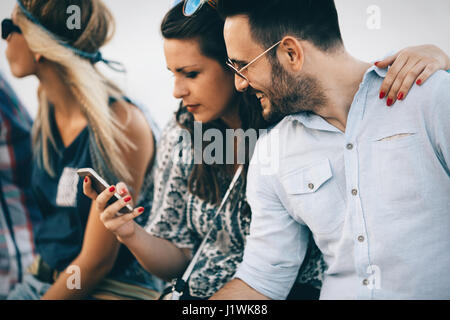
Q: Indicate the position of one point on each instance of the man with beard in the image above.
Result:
(370, 183)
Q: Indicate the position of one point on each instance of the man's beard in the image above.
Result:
(289, 94)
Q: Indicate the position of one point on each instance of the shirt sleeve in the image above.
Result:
(440, 119)
(277, 243)
(168, 218)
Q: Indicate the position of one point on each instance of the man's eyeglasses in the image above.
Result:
(9, 27)
(192, 6)
(238, 71)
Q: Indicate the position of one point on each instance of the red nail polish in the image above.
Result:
(419, 82)
(382, 95)
(140, 210)
(389, 102)
(400, 96)
(127, 199)
(85, 180)
(112, 189)
(376, 63)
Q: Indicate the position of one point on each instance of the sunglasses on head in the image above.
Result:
(192, 6)
(9, 27)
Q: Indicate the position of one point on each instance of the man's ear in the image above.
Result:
(291, 54)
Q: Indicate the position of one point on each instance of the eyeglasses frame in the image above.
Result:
(239, 71)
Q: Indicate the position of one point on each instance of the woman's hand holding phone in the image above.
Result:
(123, 225)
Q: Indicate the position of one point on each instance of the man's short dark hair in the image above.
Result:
(271, 20)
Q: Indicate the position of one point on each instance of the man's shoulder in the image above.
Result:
(441, 82)
(436, 86)
(422, 101)
(436, 92)
(438, 79)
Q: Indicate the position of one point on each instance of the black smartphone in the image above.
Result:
(99, 185)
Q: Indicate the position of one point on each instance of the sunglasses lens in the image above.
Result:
(6, 29)
(191, 6)
(9, 27)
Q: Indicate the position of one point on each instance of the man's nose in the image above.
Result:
(240, 83)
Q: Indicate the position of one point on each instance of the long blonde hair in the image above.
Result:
(90, 87)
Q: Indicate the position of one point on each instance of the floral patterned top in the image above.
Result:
(184, 219)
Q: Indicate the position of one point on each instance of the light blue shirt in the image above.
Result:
(376, 198)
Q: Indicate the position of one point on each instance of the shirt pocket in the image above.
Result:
(396, 139)
(399, 167)
(315, 197)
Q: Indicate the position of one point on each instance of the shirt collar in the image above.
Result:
(314, 121)
(380, 72)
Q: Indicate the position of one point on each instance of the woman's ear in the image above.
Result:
(38, 57)
(291, 54)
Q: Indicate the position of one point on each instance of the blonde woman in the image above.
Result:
(83, 121)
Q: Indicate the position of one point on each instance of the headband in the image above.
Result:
(92, 57)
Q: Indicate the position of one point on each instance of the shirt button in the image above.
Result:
(354, 192)
(365, 282)
(311, 186)
(350, 146)
(361, 239)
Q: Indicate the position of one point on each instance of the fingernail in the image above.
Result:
(400, 96)
(376, 63)
(419, 82)
(389, 102)
(112, 189)
(127, 199)
(85, 180)
(140, 210)
(382, 95)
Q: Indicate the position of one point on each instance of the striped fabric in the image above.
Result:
(18, 211)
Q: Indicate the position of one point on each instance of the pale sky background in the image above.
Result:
(138, 43)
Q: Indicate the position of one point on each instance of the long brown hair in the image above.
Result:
(206, 27)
